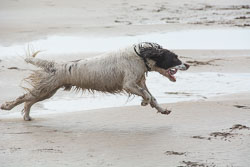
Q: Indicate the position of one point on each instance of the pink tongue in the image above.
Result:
(172, 77)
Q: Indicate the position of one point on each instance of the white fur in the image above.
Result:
(114, 72)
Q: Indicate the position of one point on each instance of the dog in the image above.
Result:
(122, 71)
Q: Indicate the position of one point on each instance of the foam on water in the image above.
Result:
(192, 39)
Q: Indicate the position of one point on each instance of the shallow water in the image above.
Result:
(189, 39)
(189, 86)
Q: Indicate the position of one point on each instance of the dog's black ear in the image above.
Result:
(151, 53)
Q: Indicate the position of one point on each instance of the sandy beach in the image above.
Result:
(210, 121)
(205, 133)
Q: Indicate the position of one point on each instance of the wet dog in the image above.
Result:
(114, 72)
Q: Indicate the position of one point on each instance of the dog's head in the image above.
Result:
(166, 63)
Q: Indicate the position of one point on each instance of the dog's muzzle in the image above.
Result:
(182, 67)
(169, 73)
(172, 71)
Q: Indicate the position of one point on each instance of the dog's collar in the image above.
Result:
(143, 58)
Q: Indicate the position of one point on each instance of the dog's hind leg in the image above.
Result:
(29, 99)
(28, 104)
(11, 104)
(26, 110)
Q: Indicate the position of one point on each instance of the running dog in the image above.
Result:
(122, 71)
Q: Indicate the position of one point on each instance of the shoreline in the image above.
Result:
(39, 113)
(199, 39)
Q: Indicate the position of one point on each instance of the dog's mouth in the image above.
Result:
(169, 73)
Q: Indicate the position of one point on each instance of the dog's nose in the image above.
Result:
(187, 66)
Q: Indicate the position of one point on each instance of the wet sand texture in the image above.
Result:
(206, 132)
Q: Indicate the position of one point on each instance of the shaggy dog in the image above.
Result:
(114, 72)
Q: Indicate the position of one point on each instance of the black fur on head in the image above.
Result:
(164, 58)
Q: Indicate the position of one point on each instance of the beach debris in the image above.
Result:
(201, 137)
(16, 68)
(179, 93)
(174, 153)
(235, 7)
(221, 134)
(193, 164)
(198, 63)
(49, 150)
(243, 25)
(13, 68)
(241, 106)
(160, 9)
(14, 149)
(242, 17)
(227, 134)
(239, 127)
(125, 22)
(138, 9)
(185, 94)
(18, 133)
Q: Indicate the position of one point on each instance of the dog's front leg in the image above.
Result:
(133, 88)
(154, 103)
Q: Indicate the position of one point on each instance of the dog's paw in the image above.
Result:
(27, 118)
(6, 106)
(144, 103)
(166, 112)
(28, 59)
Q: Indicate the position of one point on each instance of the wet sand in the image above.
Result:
(213, 131)
(208, 132)
(26, 20)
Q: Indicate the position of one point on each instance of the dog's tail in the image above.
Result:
(48, 66)
(39, 79)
